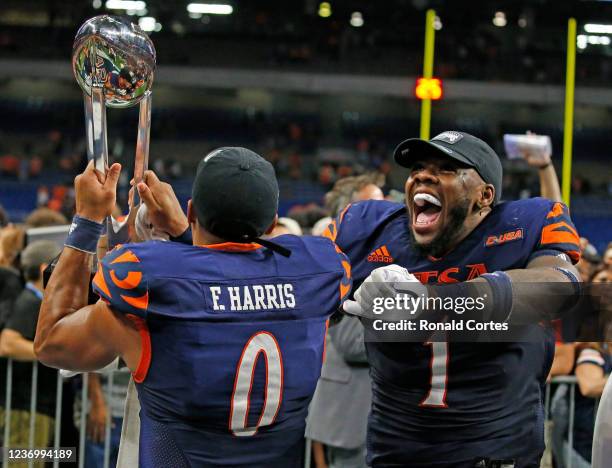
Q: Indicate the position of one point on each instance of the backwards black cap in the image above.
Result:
(235, 196)
(460, 146)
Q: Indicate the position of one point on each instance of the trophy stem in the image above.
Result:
(95, 123)
(141, 162)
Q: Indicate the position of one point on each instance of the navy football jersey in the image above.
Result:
(448, 404)
(233, 343)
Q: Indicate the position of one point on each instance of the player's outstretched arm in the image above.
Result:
(548, 287)
(545, 289)
(71, 334)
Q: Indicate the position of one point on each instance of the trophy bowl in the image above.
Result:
(114, 54)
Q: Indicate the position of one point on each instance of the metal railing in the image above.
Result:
(564, 450)
(570, 381)
(57, 425)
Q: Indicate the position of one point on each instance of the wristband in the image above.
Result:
(501, 289)
(84, 234)
(576, 282)
(185, 238)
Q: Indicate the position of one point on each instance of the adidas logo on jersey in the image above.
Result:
(381, 255)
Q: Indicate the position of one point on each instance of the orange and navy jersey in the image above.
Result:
(442, 404)
(233, 338)
(375, 233)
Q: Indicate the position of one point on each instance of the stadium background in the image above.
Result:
(321, 90)
(312, 90)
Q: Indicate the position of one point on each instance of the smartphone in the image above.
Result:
(517, 145)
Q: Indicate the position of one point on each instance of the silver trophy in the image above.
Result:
(113, 61)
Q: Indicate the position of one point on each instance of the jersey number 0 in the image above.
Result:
(261, 344)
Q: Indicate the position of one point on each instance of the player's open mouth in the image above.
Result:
(426, 212)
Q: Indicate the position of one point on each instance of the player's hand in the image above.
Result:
(96, 193)
(163, 208)
(385, 295)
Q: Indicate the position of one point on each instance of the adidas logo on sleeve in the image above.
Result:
(380, 255)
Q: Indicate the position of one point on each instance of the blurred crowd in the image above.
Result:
(583, 350)
(294, 148)
(22, 266)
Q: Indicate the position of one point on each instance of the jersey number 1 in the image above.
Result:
(260, 344)
(436, 398)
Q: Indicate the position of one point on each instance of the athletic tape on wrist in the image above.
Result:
(185, 238)
(501, 288)
(84, 234)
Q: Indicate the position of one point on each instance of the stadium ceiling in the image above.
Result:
(305, 14)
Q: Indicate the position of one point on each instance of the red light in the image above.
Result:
(428, 88)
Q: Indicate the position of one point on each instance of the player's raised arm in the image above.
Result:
(71, 334)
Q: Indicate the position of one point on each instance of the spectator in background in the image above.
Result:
(10, 278)
(351, 189)
(580, 186)
(563, 361)
(17, 342)
(42, 196)
(99, 389)
(4, 219)
(286, 226)
(35, 166)
(307, 215)
(607, 256)
(9, 165)
(602, 277)
(339, 410)
(327, 175)
(159, 166)
(12, 242)
(589, 259)
(564, 357)
(42, 217)
(549, 183)
(175, 169)
(592, 368)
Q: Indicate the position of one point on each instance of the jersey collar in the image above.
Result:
(233, 247)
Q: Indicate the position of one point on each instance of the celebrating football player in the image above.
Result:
(442, 403)
(224, 335)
